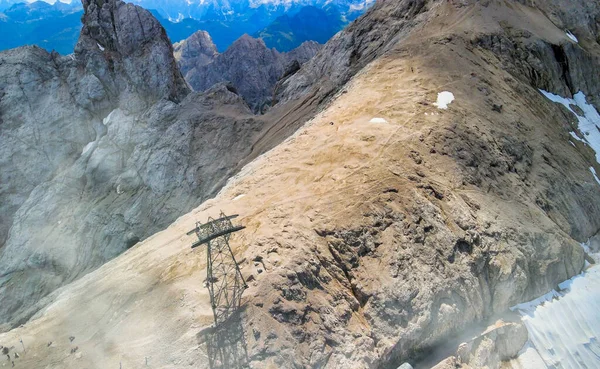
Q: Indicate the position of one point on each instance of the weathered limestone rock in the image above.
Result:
(499, 343)
(127, 49)
(195, 51)
(449, 363)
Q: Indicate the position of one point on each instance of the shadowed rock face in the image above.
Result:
(248, 65)
(129, 51)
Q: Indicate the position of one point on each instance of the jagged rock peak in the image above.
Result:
(248, 64)
(128, 48)
(248, 42)
(304, 52)
(197, 50)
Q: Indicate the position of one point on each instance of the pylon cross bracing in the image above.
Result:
(223, 276)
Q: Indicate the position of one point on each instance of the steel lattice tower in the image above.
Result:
(223, 276)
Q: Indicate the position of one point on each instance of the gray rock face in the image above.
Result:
(101, 149)
(350, 50)
(563, 67)
(303, 53)
(248, 64)
(129, 52)
(39, 104)
(498, 344)
(195, 51)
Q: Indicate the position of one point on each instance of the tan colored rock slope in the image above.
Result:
(378, 239)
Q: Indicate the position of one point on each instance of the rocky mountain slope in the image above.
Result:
(102, 149)
(196, 51)
(251, 67)
(390, 221)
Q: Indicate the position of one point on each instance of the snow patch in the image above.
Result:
(444, 99)
(87, 148)
(528, 358)
(589, 123)
(378, 120)
(530, 306)
(563, 326)
(106, 120)
(572, 36)
(179, 18)
(595, 175)
(100, 47)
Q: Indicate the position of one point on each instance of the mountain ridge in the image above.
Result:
(383, 225)
(248, 64)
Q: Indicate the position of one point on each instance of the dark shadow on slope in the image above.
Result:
(226, 345)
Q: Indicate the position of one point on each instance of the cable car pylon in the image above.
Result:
(224, 279)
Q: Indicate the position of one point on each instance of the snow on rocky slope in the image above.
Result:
(563, 325)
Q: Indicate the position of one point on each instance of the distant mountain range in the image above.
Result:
(283, 24)
(223, 33)
(259, 12)
(49, 26)
(310, 23)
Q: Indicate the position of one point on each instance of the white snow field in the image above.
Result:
(563, 326)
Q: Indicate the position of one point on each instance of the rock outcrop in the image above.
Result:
(247, 64)
(101, 149)
(127, 49)
(196, 51)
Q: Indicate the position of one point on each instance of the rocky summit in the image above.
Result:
(247, 64)
(434, 165)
